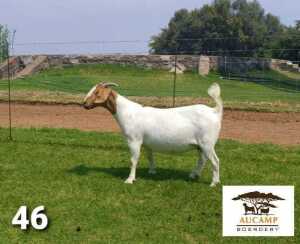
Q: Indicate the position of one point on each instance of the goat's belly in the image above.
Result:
(165, 144)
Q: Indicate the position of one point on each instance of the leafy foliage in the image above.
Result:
(225, 26)
(4, 33)
(290, 41)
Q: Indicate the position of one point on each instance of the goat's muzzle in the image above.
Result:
(88, 106)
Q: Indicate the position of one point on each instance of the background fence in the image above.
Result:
(166, 79)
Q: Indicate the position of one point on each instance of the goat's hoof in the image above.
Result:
(213, 184)
(193, 175)
(129, 181)
(152, 171)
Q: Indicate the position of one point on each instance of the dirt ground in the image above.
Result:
(252, 127)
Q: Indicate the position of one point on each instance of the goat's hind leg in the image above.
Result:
(135, 148)
(199, 166)
(216, 167)
(150, 158)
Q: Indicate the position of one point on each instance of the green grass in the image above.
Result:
(79, 177)
(137, 81)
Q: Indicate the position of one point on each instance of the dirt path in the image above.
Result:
(253, 127)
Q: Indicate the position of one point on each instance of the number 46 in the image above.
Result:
(21, 218)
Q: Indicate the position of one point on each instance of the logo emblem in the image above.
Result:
(259, 202)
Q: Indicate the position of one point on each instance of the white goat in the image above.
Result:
(164, 130)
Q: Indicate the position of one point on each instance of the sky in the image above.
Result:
(103, 20)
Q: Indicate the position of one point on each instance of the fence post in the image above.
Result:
(9, 84)
(9, 90)
(174, 79)
(225, 67)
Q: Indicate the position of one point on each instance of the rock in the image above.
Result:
(204, 65)
(180, 68)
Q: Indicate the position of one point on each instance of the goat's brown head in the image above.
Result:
(101, 95)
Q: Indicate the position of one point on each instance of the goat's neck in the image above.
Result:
(125, 109)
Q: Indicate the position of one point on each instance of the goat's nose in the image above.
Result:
(84, 106)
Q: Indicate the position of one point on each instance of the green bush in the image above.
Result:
(4, 33)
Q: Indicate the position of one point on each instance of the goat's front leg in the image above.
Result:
(150, 158)
(135, 148)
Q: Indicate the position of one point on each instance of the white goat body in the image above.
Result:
(168, 130)
(171, 130)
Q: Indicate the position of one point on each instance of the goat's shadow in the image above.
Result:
(142, 173)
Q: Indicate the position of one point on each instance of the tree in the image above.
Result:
(297, 25)
(4, 35)
(258, 199)
(223, 25)
(287, 46)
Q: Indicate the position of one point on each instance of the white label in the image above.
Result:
(258, 210)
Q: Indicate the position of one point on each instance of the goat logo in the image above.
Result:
(258, 203)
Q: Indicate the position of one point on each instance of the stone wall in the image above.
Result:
(238, 64)
(166, 62)
(15, 66)
(279, 64)
(148, 61)
(204, 64)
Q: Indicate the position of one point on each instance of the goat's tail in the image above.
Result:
(214, 91)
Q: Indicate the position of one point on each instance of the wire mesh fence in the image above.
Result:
(58, 77)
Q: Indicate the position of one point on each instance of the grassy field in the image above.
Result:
(266, 87)
(79, 177)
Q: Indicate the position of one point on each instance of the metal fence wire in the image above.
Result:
(59, 77)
